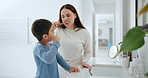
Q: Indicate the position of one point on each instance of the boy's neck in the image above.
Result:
(44, 43)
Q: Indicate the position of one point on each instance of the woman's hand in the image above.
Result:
(74, 69)
(56, 24)
(85, 65)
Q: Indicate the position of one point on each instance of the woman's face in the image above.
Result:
(68, 18)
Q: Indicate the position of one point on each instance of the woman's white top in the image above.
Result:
(75, 45)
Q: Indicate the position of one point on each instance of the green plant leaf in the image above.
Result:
(146, 74)
(143, 10)
(134, 39)
(146, 32)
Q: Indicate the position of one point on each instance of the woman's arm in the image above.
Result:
(87, 47)
(87, 51)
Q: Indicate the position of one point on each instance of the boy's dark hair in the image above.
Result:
(40, 27)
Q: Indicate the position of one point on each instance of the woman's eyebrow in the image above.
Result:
(68, 14)
(65, 14)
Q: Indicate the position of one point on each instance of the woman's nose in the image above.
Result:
(65, 18)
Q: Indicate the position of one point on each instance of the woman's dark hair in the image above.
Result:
(77, 21)
(40, 27)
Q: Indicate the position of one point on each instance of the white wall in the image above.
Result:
(16, 60)
(87, 17)
(128, 15)
(118, 21)
(34, 8)
(105, 8)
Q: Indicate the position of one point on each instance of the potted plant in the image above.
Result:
(134, 38)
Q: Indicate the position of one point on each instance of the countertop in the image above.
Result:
(103, 62)
(102, 77)
(84, 73)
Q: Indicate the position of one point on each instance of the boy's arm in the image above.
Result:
(62, 62)
(48, 56)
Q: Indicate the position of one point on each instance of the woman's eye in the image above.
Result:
(68, 15)
(62, 16)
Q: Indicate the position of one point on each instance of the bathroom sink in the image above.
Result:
(105, 68)
(107, 72)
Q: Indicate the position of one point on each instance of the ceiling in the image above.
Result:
(100, 2)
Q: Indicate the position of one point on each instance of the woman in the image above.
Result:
(75, 39)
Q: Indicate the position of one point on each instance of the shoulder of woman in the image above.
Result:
(85, 31)
(58, 29)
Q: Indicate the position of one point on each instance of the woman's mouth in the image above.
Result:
(66, 23)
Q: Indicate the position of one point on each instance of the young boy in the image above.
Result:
(46, 54)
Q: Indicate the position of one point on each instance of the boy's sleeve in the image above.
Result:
(48, 56)
(62, 62)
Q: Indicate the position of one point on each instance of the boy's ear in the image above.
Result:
(45, 36)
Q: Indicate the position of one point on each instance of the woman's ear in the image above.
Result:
(45, 36)
(75, 15)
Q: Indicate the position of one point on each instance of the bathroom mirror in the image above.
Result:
(113, 51)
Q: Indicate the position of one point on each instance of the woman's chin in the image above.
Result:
(67, 25)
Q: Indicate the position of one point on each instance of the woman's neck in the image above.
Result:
(72, 27)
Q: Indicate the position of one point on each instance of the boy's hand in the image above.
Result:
(55, 38)
(53, 27)
(74, 69)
